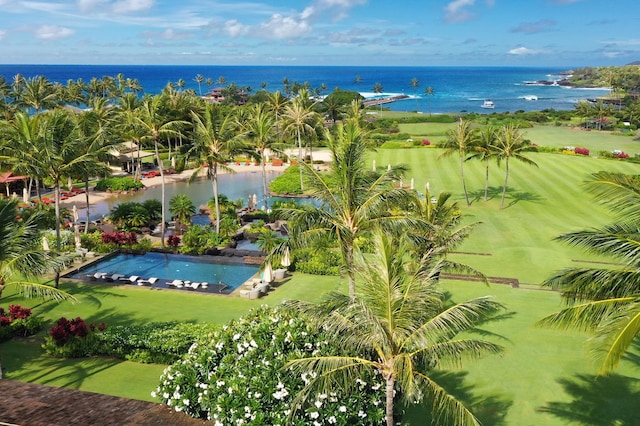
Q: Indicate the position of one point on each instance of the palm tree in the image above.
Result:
(260, 130)
(153, 126)
(182, 208)
(399, 326)
(605, 301)
(459, 141)
(482, 150)
(351, 199)
(215, 142)
(510, 142)
(39, 93)
(199, 79)
(300, 119)
(377, 89)
(415, 83)
(277, 102)
(429, 92)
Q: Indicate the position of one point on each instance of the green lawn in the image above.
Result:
(542, 370)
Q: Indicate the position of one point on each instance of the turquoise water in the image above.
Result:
(168, 267)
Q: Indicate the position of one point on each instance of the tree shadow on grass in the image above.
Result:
(490, 409)
(515, 197)
(598, 400)
(492, 192)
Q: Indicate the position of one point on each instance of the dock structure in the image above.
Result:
(382, 101)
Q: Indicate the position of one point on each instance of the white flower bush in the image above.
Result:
(238, 377)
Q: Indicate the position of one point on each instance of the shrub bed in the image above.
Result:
(118, 184)
(239, 377)
(18, 321)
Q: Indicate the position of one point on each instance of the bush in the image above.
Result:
(173, 241)
(198, 238)
(72, 338)
(581, 151)
(18, 321)
(118, 184)
(120, 238)
(316, 262)
(238, 376)
(288, 182)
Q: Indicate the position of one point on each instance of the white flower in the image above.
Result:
(332, 420)
(314, 414)
(362, 414)
(165, 395)
(318, 404)
(219, 383)
(185, 401)
(376, 387)
(342, 409)
(230, 390)
(236, 336)
(153, 394)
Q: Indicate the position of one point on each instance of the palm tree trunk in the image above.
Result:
(506, 178)
(350, 272)
(300, 160)
(87, 199)
(486, 179)
(464, 185)
(389, 399)
(163, 201)
(264, 182)
(57, 209)
(216, 202)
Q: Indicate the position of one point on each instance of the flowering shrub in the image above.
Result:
(426, 142)
(173, 241)
(582, 151)
(238, 377)
(18, 321)
(72, 338)
(619, 154)
(120, 238)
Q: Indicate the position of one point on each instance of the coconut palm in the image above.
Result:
(182, 208)
(415, 83)
(215, 142)
(351, 199)
(605, 301)
(482, 150)
(300, 119)
(399, 326)
(39, 93)
(510, 143)
(199, 79)
(260, 130)
(152, 124)
(460, 140)
(429, 92)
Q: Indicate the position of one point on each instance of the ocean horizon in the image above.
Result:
(455, 89)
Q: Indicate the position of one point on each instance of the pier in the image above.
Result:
(382, 101)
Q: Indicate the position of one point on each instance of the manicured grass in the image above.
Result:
(541, 368)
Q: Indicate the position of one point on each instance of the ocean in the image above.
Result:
(455, 89)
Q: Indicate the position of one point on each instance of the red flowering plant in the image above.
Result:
(18, 321)
(173, 241)
(72, 338)
(120, 238)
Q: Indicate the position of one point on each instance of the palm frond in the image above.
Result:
(620, 192)
(585, 316)
(446, 409)
(43, 291)
(582, 284)
(615, 333)
(620, 240)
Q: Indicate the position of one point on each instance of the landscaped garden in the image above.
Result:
(432, 298)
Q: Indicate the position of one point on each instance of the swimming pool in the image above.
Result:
(169, 267)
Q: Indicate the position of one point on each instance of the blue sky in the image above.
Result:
(321, 32)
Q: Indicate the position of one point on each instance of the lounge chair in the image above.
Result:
(114, 277)
(194, 286)
(150, 281)
(131, 279)
(204, 285)
(97, 276)
(175, 283)
(250, 294)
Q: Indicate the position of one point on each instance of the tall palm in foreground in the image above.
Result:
(459, 141)
(399, 326)
(605, 301)
(351, 199)
(22, 258)
(214, 143)
(510, 143)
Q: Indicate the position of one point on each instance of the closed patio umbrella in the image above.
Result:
(267, 274)
(76, 235)
(286, 258)
(45, 244)
(75, 214)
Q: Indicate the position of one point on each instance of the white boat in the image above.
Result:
(530, 97)
(488, 103)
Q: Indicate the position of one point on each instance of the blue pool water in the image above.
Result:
(168, 267)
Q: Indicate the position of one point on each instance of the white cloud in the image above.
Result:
(128, 6)
(53, 32)
(534, 27)
(91, 5)
(523, 51)
(280, 27)
(233, 28)
(456, 11)
(338, 8)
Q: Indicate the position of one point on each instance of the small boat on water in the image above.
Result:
(530, 97)
(488, 104)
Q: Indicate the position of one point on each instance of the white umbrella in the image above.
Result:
(25, 195)
(412, 182)
(75, 214)
(255, 200)
(374, 165)
(389, 167)
(173, 162)
(45, 244)
(286, 258)
(267, 274)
